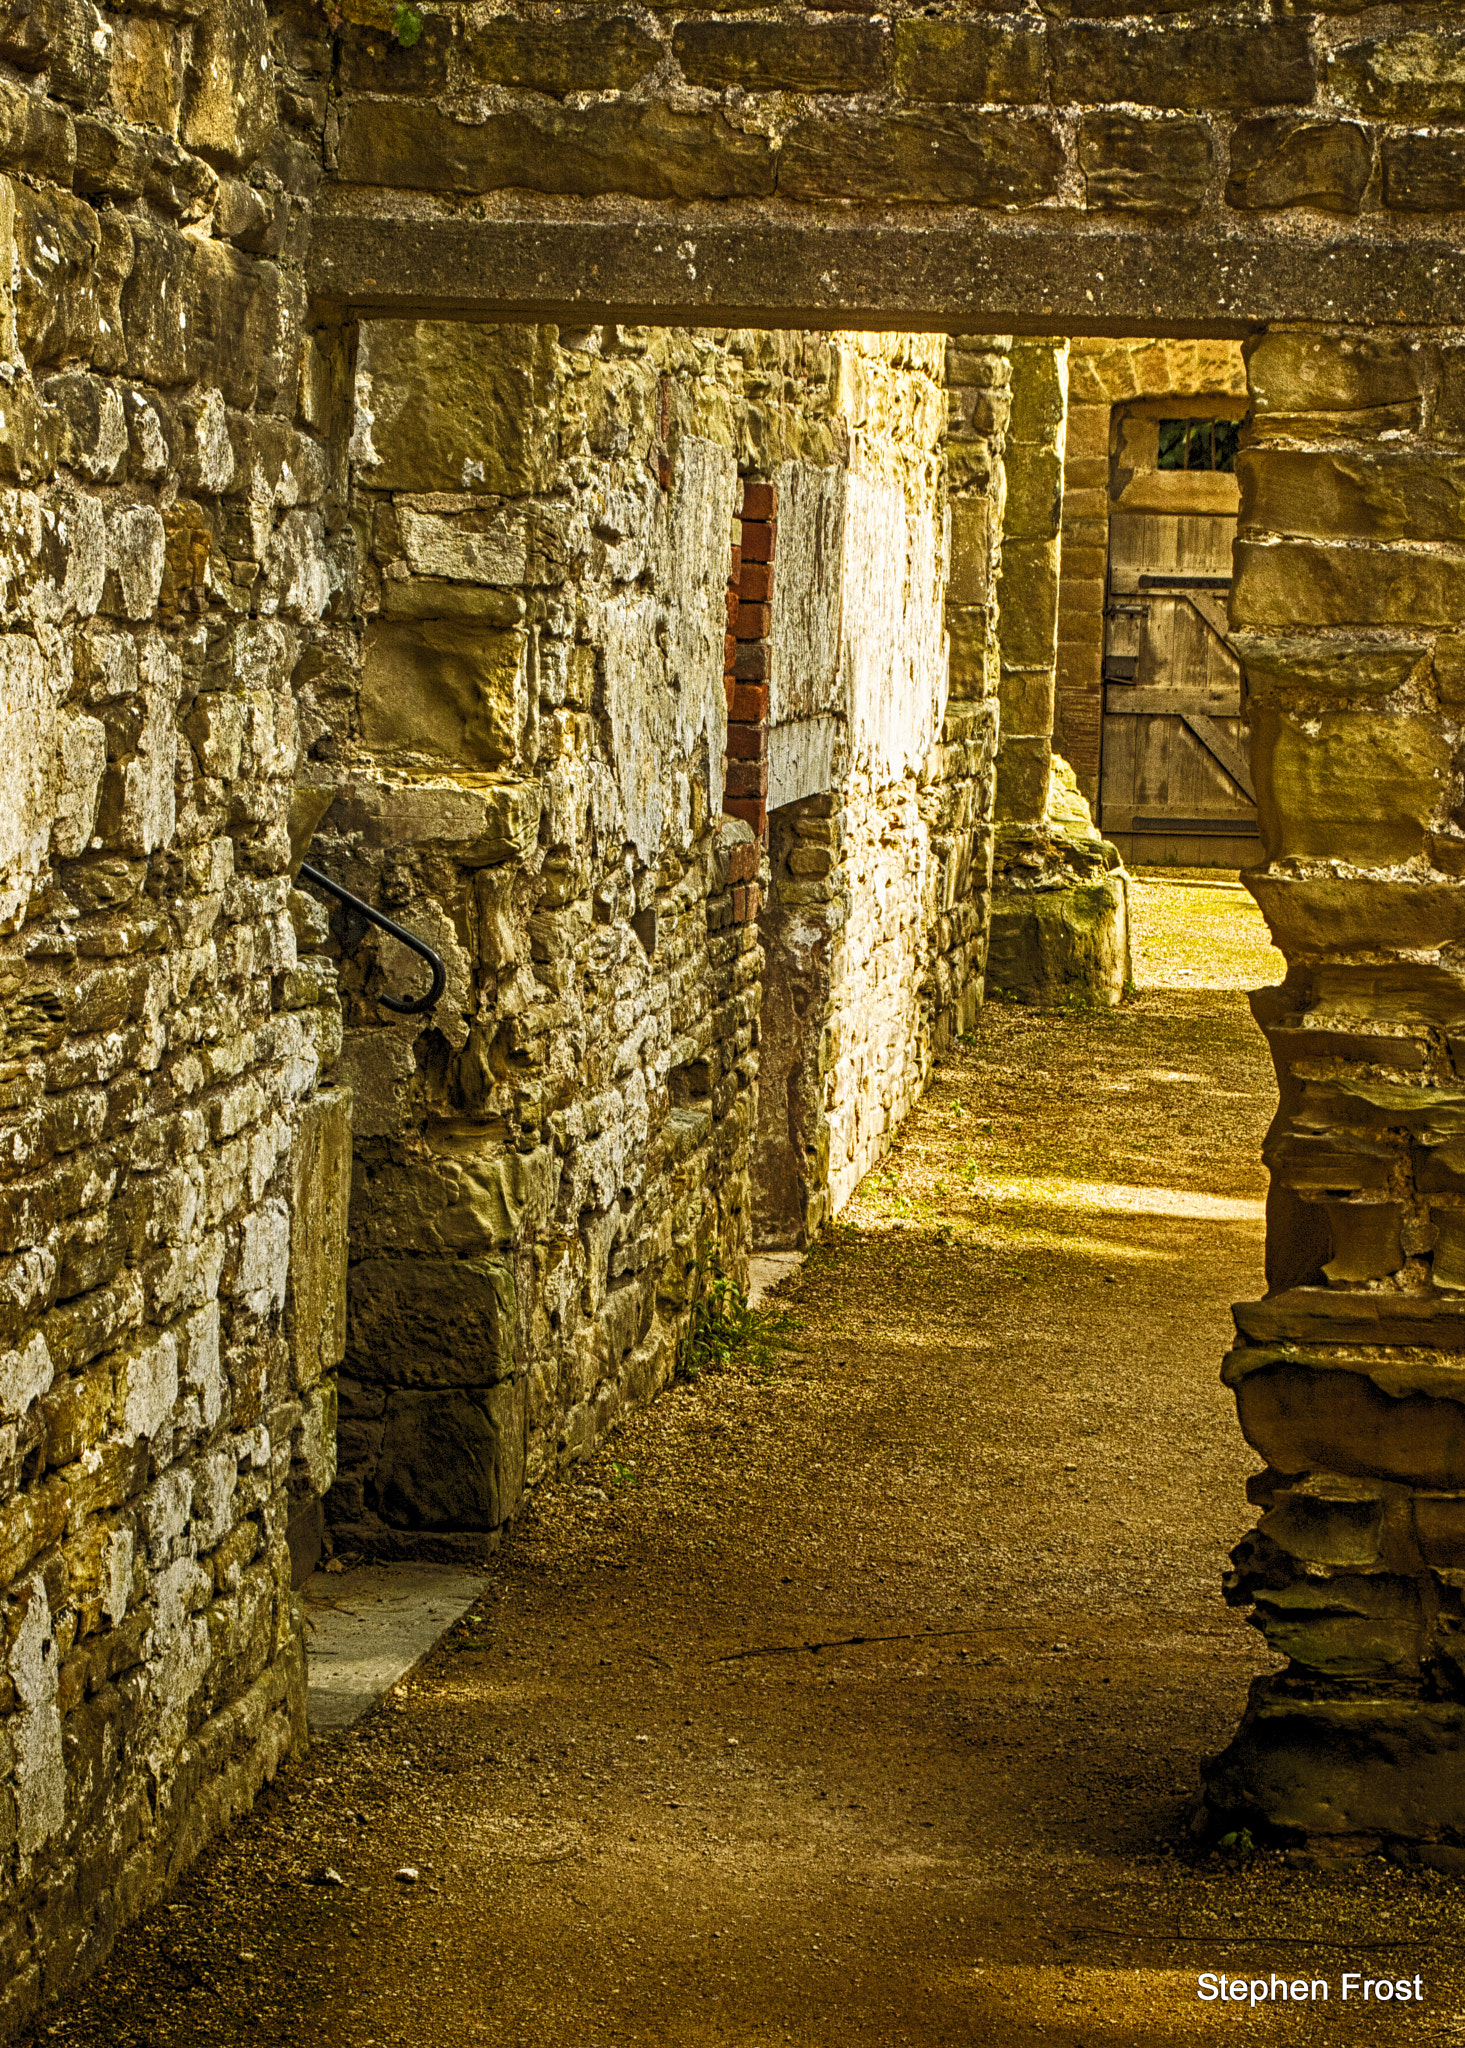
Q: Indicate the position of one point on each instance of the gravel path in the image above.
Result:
(858, 1697)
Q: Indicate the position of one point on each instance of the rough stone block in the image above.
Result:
(1365, 1241)
(452, 1459)
(432, 1321)
(1305, 1420)
(1347, 666)
(71, 265)
(1300, 372)
(844, 57)
(971, 551)
(1025, 698)
(1050, 945)
(1380, 496)
(554, 56)
(1297, 583)
(457, 407)
(320, 1194)
(986, 63)
(433, 597)
(1337, 916)
(479, 825)
(1034, 507)
(1039, 395)
(1417, 76)
(981, 160)
(645, 150)
(1278, 162)
(198, 312)
(1351, 1767)
(444, 688)
(35, 136)
(1177, 65)
(229, 105)
(1425, 173)
(1027, 599)
(1133, 165)
(1023, 765)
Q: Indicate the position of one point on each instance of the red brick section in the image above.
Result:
(749, 664)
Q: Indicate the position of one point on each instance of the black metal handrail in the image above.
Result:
(387, 924)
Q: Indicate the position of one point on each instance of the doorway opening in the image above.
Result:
(1175, 780)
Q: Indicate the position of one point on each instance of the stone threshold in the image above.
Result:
(366, 1628)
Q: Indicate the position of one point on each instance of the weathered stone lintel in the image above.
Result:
(973, 275)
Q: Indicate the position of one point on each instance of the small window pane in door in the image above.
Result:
(1199, 444)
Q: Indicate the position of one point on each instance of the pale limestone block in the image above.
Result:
(25, 1375)
(199, 1360)
(264, 1259)
(213, 451)
(215, 1478)
(117, 1560)
(315, 1440)
(34, 1729)
(136, 544)
(297, 576)
(83, 759)
(28, 770)
(807, 596)
(147, 1387)
(378, 1067)
(149, 803)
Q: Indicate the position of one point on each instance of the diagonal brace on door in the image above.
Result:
(1220, 745)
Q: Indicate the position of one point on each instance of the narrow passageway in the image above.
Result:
(856, 1692)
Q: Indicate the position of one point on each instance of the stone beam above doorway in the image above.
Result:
(954, 273)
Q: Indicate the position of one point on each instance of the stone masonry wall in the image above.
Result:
(1348, 608)
(1060, 915)
(528, 728)
(875, 923)
(1065, 164)
(550, 704)
(173, 1164)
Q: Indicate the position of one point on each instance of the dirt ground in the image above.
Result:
(858, 1696)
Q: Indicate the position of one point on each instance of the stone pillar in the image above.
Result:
(1059, 912)
(978, 382)
(1349, 602)
(1027, 593)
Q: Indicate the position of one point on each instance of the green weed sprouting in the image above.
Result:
(404, 22)
(725, 1328)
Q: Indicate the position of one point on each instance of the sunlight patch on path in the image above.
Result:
(1198, 928)
(1113, 1198)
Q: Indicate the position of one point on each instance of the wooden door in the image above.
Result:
(1175, 783)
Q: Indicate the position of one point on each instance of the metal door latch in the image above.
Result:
(1126, 611)
(423, 1004)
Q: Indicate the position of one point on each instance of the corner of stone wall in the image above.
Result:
(534, 745)
(978, 371)
(1060, 924)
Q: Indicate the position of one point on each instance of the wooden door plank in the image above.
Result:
(1135, 700)
(1221, 745)
(1213, 610)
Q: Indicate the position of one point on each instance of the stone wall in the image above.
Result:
(174, 1164)
(875, 922)
(247, 560)
(1348, 606)
(1061, 164)
(1060, 909)
(528, 729)
(563, 677)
